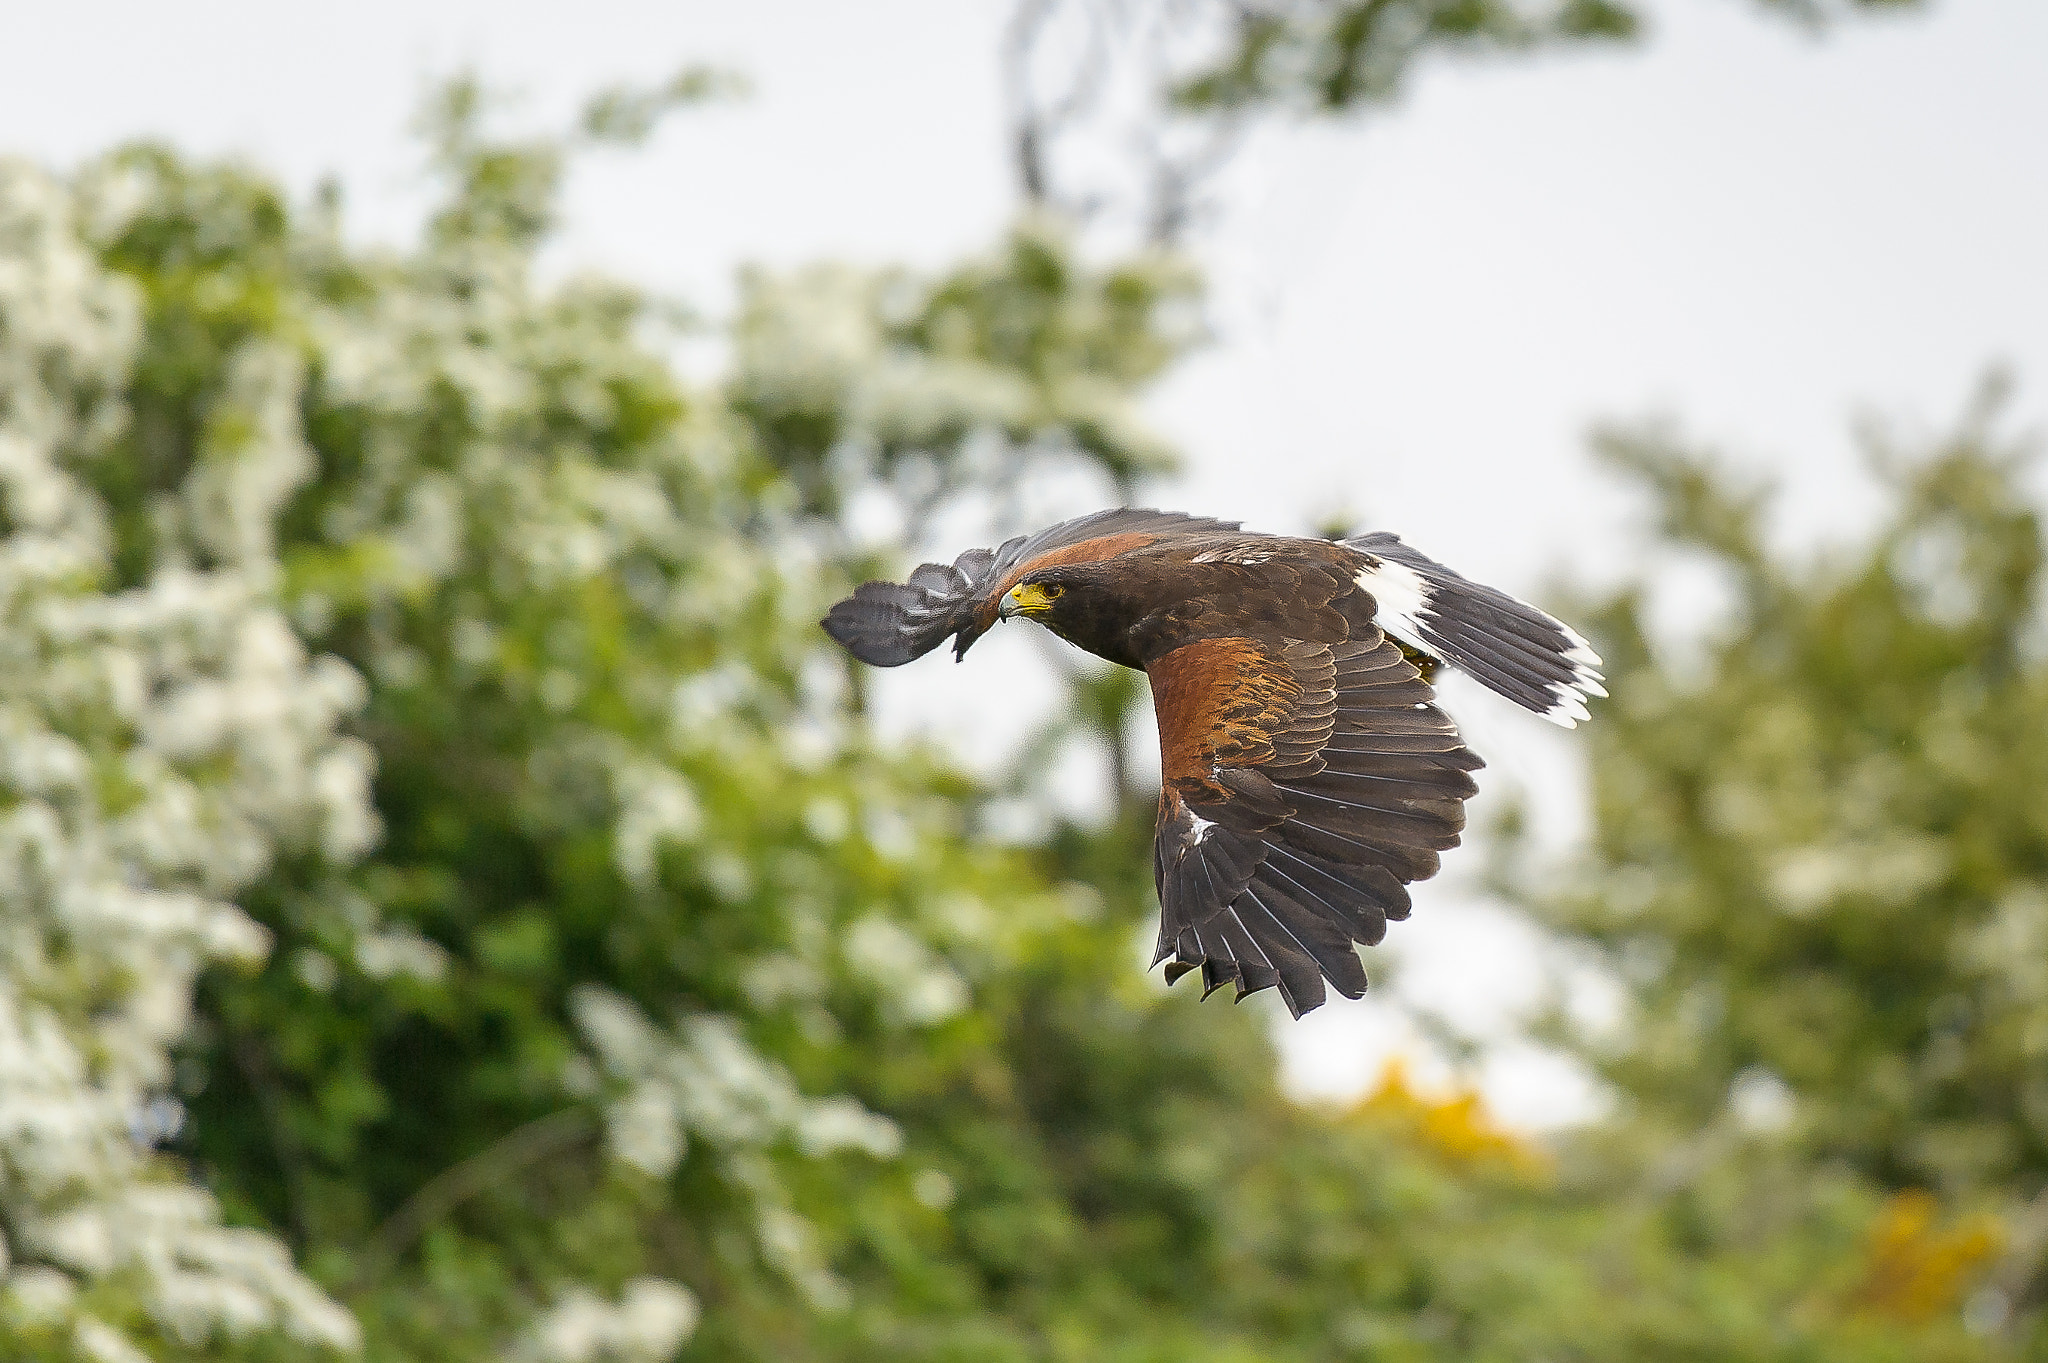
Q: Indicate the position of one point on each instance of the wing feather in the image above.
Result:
(1304, 785)
(1301, 979)
(1523, 653)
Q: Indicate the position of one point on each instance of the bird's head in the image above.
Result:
(1059, 595)
(1082, 603)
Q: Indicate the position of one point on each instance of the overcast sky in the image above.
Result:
(1419, 314)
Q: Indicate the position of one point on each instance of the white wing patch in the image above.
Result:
(1433, 617)
(1403, 597)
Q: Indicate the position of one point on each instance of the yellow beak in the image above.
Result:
(1026, 598)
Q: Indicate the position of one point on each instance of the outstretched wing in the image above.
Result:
(1304, 785)
(1535, 661)
(889, 623)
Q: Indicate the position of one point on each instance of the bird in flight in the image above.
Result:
(1307, 775)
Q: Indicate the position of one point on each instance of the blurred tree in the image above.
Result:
(1816, 868)
(542, 1054)
(1123, 113)
(166, 744)
(863, 382)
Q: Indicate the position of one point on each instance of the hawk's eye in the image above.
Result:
(1053, 590)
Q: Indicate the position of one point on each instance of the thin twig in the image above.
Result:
(1180, 184)
(1036, 124)
(450, 1188)
(1028, 133)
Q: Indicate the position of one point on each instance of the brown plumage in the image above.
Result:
(1307, 777)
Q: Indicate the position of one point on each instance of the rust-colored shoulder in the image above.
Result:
(1095, 550)
(1219, 702)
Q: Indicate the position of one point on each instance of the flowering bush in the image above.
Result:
(415, 759)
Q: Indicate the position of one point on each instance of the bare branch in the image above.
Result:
(1181, 183)
(1037, 122)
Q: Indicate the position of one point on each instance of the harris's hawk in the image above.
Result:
(1307, 774)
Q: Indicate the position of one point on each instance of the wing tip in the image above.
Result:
(1216, 972)
(1569, 703)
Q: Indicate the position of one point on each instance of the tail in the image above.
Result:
(889, 623)
(1539, 663)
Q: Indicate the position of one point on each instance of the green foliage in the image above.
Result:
(627, 115)
(1327, 56)
(1816, 868)
(1333, 56)
(850, 380)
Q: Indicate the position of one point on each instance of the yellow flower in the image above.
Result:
(1914, 1269)
(1457, 1126)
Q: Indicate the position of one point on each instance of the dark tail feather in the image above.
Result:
(889, 623)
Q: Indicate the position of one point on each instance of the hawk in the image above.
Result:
(1307, 775)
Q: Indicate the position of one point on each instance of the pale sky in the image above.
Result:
(1419, 314)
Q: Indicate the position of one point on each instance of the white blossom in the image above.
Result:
(704, 1079)
(912, 980)
(159, 746)
(656, 805)
(648, 1323)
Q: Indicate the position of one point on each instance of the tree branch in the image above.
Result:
(453, 1186)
